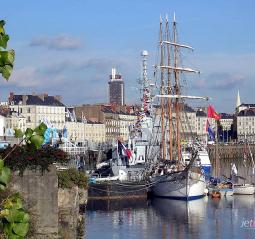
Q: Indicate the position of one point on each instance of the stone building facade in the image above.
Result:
(245, 124)
(85, 131)
(37, 108)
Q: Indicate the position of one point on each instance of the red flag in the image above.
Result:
(211, 113)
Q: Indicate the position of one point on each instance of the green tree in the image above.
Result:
(6, 56)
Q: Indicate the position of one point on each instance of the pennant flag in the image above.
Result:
(124, 149)
(210, 131)
(211, 113)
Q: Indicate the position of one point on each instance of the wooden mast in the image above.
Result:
(172, 92)
(177, 91)
(169, 91)
(162, 91)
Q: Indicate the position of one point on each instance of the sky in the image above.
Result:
(68, 48)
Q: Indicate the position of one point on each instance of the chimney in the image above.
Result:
(24, 99)
(11, 97)
(128, 108)
(41, 96)
(58, 98)
(114, 107)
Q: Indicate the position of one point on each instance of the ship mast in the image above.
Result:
(173, 93)
(177, 90)
(145, 84)
(162, 91)
(169, 92)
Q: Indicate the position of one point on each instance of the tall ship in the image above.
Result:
(176, 170)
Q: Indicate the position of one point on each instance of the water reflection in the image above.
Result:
(112, 205)
(243, 201)
(161, 219)
(180, 211)
(180, 217)
(118, 219)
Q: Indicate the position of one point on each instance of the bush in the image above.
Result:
(72, 177)
(24, 156)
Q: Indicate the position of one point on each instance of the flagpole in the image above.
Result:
(118, 152)
(217, 152)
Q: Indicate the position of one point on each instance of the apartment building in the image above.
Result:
(37, 108)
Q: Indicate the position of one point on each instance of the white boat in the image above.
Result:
(202, 157)
(244, 189)
(174, 176)
(183, 185)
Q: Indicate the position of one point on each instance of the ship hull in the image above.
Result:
(185, 185)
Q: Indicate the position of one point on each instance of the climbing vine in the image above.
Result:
(14, 220)
(13, 217)
(6, 56)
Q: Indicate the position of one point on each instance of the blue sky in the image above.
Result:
(69, 47)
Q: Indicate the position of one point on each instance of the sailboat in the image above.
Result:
(172, 176)
(244, 188)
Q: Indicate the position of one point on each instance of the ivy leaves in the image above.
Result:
(15, 219)
(5, 175)
(32, 137)
(6, 56)
(3, 37)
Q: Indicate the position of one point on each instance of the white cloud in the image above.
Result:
(226, 81)
(25, 77)
(63, 42)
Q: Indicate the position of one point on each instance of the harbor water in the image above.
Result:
(228, 217)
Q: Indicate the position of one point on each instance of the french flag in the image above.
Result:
(210, 131)
(123, 150)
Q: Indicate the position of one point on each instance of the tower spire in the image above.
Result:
(238, 101)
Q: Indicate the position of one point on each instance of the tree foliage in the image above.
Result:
(6, 56)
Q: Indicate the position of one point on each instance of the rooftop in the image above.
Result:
(201, 113)
(226, 116)
(35, 99)
(246, 112)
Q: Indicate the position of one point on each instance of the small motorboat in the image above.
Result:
(244, 189)
(216, 194)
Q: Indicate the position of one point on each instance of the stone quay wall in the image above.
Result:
(40, 194)
(54, 212)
